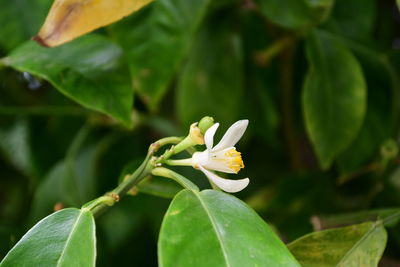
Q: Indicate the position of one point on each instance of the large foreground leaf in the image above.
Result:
(65, 238)
(334, 96)
(157, 42)
(296, 13)
(87, 70)
(356, 245)
(211, 228)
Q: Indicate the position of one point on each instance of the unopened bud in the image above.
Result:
(195, 134)
(389, 149)
(205, 123)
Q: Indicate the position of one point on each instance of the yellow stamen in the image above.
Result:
(234, 160)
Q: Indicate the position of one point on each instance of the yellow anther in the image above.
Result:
(234, 160)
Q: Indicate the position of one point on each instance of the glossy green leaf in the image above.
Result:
(65, 238)
(296, 14)
(334, 96)
(352, 246)
(157, 41)
(87, 70)
(211, 228)
(212, 80)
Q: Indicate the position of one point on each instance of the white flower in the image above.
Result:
(223, 157)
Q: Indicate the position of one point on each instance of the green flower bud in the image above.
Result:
(205, 123)
(389, 149)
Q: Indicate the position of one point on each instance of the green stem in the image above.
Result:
(2, 63)
(264, 57)
(183, 145)
(388, 220)
(165, 141)
(288, 121)
(107, 200)
(144, 170)
(178, 162)
(183, 181)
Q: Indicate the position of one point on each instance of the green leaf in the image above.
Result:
(72, 181)
(14, 145)
(355, 18)
(334, 96)
(211, 228)
(87, 70)
(296, 14)
(157, 41)
(65, 238)
(20, 20)
(211, 82)
(356, 245)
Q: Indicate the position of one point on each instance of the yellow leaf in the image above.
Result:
(69, 19)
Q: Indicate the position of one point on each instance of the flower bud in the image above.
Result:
(389, 149)
(196, 135)
(205, 123)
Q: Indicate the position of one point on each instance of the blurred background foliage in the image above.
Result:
(318, 80)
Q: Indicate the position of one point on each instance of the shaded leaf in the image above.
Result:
(211, 228)
(296, 14)
(64, 238)
(356, 18)
(344, 219)
(72, 181)
(20, 20)
(356, 245)
(212, 81)
(157, 41)
(14, 145)
(334, 96)
(88, 70)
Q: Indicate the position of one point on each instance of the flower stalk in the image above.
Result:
(167, 173)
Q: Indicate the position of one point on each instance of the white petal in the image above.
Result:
(200, 158)
(217, 166)
(209, 136)
(232, 135)
(231, 186)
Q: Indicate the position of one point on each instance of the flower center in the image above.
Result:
(232, 159)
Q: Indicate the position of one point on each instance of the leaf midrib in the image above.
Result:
(357, 244)
(60, 259)
(214, 228)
